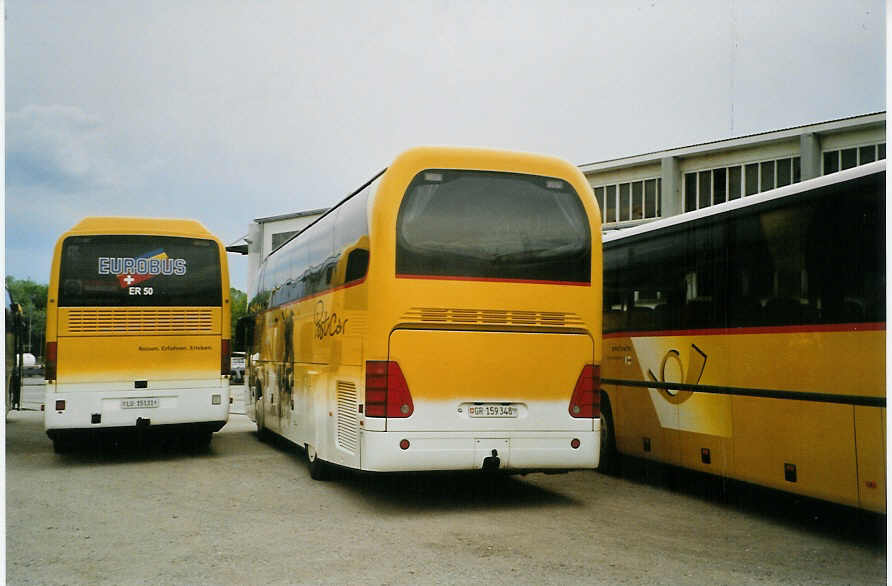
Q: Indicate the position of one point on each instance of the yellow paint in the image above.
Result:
(125, 358)
(838, 449)
(141, 345)
(490, 366)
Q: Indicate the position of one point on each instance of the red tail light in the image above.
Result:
(50, 361)
(225, 357)
(586, 399)
(386, 391)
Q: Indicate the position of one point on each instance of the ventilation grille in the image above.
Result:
(435, 315)
(348, 417)
(138, 320)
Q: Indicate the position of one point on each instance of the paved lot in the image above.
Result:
(245, 512)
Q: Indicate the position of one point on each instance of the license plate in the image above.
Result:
(139, 403)
(492, 410)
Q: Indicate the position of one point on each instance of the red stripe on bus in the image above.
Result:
(492, 280)
(849, 327)
(319, 294)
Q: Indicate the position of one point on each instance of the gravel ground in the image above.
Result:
(245, 512)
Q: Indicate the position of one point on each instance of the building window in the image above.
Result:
(713, 186)
(280, 238)
(840, 159)
(630, 200)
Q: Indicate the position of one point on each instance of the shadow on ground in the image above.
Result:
(804, 513)
(438, 491)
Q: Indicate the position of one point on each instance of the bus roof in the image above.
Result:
(750, 200)
(480, 158)
(140, 225)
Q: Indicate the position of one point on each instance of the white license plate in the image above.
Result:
(140, 403)
(492, 410)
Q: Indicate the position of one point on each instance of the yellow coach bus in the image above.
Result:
(441, 317)
(747, 340)
(137, 330)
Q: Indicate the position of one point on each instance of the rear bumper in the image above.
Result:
(174, 407)
(516, 451)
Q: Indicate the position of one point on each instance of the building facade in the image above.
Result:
(641, 188)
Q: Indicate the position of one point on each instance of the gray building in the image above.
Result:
(640, 188)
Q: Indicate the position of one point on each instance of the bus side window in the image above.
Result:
(357, 265)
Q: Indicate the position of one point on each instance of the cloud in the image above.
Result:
(61, 148)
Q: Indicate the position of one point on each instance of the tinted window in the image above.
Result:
(331, 252)
(493, 225)
(139, 271)
(798, 261)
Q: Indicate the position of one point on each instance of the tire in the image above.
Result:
(201, 440)
(62, 445)
(262, 434)
(319, 469)
(608, 460)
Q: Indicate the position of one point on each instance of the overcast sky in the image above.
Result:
(228, 111)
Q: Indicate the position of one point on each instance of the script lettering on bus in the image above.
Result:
(327, 324)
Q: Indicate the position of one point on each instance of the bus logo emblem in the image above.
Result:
(131, 271)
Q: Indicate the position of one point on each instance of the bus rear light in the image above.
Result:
(225, 357)
(386, 391)
(575, 443)
(50, 366)
(586, 400)
(60, 405)
(404, 444)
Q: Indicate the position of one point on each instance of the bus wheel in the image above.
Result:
(62, 445)
(201, 440)
(318, 467)
(262, 433)
(608, 460)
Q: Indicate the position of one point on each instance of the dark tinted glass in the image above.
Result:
(690, 192)
(611, 203)
(831, 162)
(784, 172)
(493, 225)
(624, 205)
(734, 182)
(650, 198)
(637, 200)
(139, 271)
(867, 154)
(752, 179)
(599, 195)
(776, 264)
(849, 158)
(705, 194)
(767, 176)
(718, 185)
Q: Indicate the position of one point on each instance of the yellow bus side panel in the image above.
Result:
(817, 438)
(750, 438)
(870, 435)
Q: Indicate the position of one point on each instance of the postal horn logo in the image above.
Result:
(131, 271)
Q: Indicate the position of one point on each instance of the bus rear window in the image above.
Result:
(491, 225)
(134, 270)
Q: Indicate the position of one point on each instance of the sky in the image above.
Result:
(228, 111)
